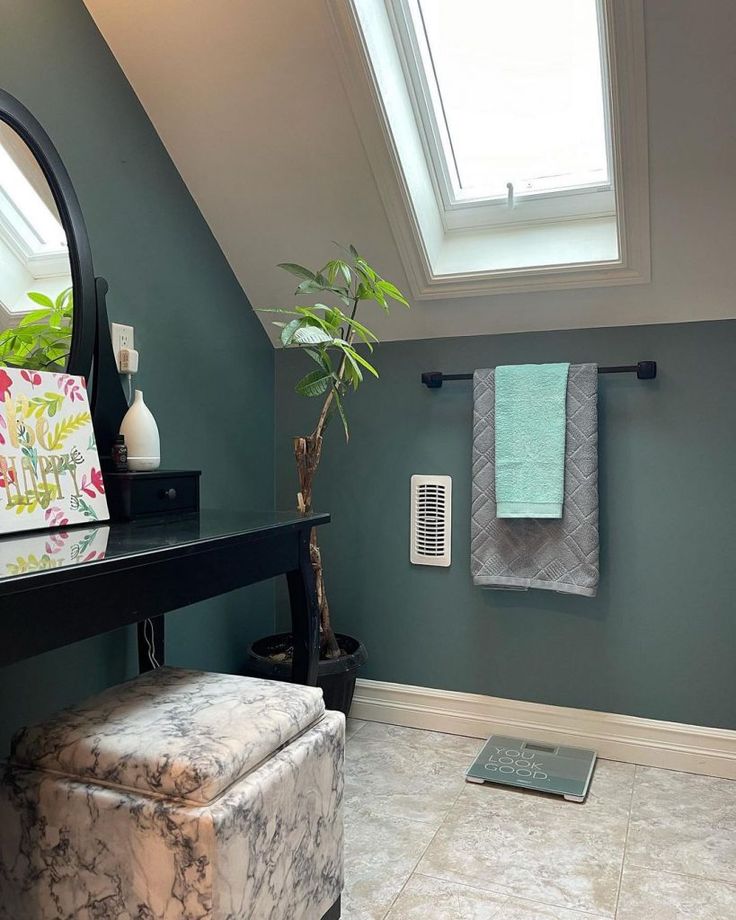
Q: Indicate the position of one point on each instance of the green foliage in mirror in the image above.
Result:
(42, 339)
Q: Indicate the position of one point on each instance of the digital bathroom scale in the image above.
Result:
(534, 765)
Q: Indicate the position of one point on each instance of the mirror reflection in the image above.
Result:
(36, 297)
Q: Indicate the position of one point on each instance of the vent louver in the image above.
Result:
(431, 520)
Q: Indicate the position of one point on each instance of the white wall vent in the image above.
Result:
(431, 520)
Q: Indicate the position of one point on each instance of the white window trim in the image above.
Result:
(416, 230)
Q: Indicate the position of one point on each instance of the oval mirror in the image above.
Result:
(47, 297)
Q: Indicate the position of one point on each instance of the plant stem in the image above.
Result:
(322, 421)
(308, 453)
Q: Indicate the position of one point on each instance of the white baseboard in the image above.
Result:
(674, 746)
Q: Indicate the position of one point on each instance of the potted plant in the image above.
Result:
(328, 336)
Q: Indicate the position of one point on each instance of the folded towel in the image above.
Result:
(530, 440)
(557, 555)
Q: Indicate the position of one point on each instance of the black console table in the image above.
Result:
(146, 568)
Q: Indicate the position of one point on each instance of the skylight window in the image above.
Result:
(22, 207)
(512, 102)
(508, 138)
(517, 93)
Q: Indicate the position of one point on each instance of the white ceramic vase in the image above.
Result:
(140, 431)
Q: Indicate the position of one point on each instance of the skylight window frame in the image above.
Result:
(554, 255)
(464, 212)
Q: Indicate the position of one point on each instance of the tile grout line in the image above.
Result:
(354, 732)
(695, 878)
(626, 843)
(414, 821)
(510, 895)
(421, 855)
(506, 895)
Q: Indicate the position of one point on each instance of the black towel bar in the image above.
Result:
(644, 370)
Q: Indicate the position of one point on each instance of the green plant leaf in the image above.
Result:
(333, 316)
(355, 375)
(393, 292)
(335, 266)
(311, 286)
(344, 270)
(365, 270)
(341, 412)
(330, 271)
(312, 318)
(379, 297)
(64, 300)
(321, 357)
(316, 356)
(35, 316)
(355, 356)
(287, 333)
(315, 383)
(299, 270)
(311, 335)
(366, 364)
(40, 299)
(363, 332)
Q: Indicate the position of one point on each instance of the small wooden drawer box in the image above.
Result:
(133, 495)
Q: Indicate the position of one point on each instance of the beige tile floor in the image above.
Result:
(421, 844)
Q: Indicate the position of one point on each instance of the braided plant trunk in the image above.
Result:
(307, 453)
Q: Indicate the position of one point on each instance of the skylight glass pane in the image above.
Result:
(519, 86)
(41, 230)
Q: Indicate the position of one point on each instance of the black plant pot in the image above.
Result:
(336, 676)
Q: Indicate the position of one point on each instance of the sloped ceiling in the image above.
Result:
(248, 99)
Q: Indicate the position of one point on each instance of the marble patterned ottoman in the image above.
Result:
(179, 795)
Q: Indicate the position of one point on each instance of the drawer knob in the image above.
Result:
(168, 493)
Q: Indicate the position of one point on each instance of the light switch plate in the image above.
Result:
(122, 337)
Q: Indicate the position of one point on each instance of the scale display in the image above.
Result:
(534, 765)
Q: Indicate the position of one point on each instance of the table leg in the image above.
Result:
(334, 912)
(304, 617)
(150, 644)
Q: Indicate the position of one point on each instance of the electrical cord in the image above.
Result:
(150, 642)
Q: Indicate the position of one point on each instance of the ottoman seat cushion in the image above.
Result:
(181, 734)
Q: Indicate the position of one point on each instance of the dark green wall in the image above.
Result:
(206, 365)
(660, 638)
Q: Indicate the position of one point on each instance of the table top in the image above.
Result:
(82, 551)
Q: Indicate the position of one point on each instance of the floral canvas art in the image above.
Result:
(50, 474)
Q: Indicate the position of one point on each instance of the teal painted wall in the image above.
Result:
(658, 641)
(206, 365)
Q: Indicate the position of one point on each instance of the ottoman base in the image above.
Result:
(270, 846)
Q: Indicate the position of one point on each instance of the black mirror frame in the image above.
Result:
(15, 114)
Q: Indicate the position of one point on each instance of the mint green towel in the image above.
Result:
(530, 440)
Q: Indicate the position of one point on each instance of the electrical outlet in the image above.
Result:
(122, 337)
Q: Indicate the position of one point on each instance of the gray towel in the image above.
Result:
(556, 555)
